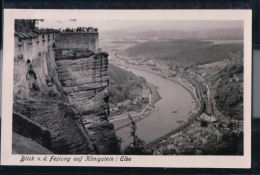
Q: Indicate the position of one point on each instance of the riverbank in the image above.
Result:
(122, 120)
(155, 94)
(156, 97)
(195, 91)
(194, 114)
(176, 104)
(181, 80)
(195, 137)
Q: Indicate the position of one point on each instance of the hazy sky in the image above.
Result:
(141, 25)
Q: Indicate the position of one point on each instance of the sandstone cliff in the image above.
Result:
(84, 79)
(45, 104)
(65, 93)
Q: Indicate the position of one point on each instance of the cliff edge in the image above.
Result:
(61, 99)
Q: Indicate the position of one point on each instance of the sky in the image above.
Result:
(141, 25)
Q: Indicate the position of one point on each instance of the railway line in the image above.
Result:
(190, 120)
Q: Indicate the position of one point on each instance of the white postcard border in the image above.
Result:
(7, 158)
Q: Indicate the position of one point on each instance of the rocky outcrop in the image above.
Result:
(83, 76)
(47, 107)
(64, 91)
(84, 79)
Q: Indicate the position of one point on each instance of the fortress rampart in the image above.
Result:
(31, 44)
(77, 40)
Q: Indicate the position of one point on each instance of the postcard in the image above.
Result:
(127, 88)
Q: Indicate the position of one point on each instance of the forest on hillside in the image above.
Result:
(186, 52)
(123, 85)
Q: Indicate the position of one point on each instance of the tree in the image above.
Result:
(133, 131)
(137, 147)
(203, 123)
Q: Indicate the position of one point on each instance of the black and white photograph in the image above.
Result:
(124, 86)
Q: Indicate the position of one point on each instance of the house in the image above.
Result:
(151, 63)
(210, 119)
(114, 109)
(124, 104)
(137, 100)
(145, 99)
(172, 74)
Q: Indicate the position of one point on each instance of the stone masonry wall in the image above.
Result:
(77, 40)
(31, 48)
(34, 131)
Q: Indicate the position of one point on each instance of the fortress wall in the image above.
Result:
(33, 130)
(17, 49)
(31, 51)
(37, 50)
(77, 40)
(26, 26)
(40, 67)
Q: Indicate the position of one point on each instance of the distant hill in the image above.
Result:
(210, 34)
(186, 51)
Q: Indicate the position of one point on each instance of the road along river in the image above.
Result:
(175, 105)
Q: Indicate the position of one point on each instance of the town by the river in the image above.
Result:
(188, 110)
(175, 105)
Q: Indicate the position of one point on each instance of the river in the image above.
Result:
(173, 98)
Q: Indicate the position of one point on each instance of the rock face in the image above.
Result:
(84, 79)
(65, 92)
(47, 106)
(60, 98)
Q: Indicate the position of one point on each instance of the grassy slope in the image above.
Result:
(123, 85)
(185, 51)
